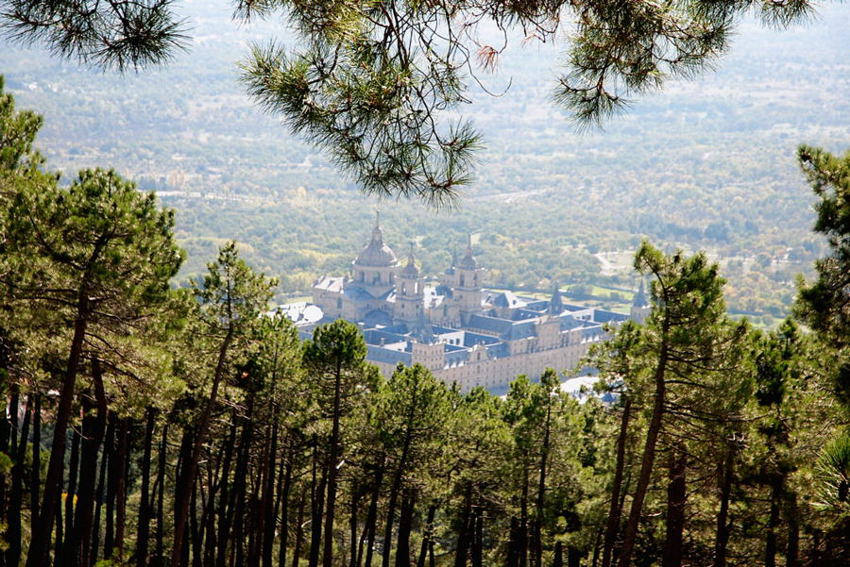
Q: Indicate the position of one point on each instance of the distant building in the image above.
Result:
(461, 331)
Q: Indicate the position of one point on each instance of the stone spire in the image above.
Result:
(556, 304)
(410, 270)
(468, 262)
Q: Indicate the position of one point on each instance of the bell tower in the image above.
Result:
(409, 299)
(467, 289)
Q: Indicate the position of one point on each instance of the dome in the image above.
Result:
(377, 254)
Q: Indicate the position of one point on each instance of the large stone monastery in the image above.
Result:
(461, 331)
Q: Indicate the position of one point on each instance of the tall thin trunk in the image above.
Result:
(94, 426)
(427, 535)
(160, 496)
(144, 499)
(537, 537)
(722, 537)
(105, 457)
(112, 483)
(465, 528)
(268, 497)
(5, 431)
(405, 525)
(188, 479)
(299, 533)
(676, 500)
(333, 457)
(615, 511)
(284, 491)
(395, 488)
(478, 539)
(13, 528)
(648, 459)
(771, 543)
(225, 495)
(316, 534)
(35, 471)
(792, 556)
(121, 486)
(371, 526)
(558, 559)
(40, 544)
(352, 523)
(522, 540)
(74, 467)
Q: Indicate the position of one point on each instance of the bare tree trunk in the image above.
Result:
(40, 544)
(722, 537)
(35, 471)
(615, 510)
(144, 500)
(13, 528)
(92, 439)
(648, 459)
(188, 479)
(405, 524)
(676, 500)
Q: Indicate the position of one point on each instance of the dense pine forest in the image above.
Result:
(153, 424)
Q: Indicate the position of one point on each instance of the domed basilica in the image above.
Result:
(460, 330)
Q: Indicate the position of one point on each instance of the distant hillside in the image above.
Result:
(705, 164)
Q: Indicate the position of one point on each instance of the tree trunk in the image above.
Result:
(371, 526)
(394, 491)
(268, 498)
(615, 510)
(35, 471)
(792, 556)
(144, 499)
(5, 431)
(74, 467)
(121, 486)
(676, 500)
(224, 496)
(299, 533)
(465, 527)
(284, 511)
(112, 484)
(478, 539)
(352, 523)
(405, 525)
(771, 544)
(522, 540)
(427, 535)
(188, 479)
(648, 459)
(558, 559)
(722, 537)
(316, 534)
(537, 536)
(333, 457)
(92, 438)
(13, 528)
(40, 545)
(160, 496)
